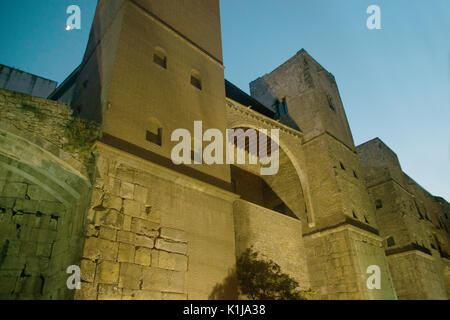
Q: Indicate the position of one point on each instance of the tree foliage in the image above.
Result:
(263, 280)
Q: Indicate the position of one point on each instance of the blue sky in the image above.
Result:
(394, 82)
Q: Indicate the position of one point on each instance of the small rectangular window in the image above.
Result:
(379, 204)
(390, 241)
(160, 60)
(196, 82)
(155, 138)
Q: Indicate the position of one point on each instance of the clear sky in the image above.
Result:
(394, 82)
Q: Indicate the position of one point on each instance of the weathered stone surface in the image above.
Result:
(144, 227)
(170, 261)
(163, 280)
(130, 276)
(126, 190)
(171, 246)
(132, 208)
(109, 292)
(126, 237)
(89, 291)
(143, 256)
(126, 253)
(140, 194)
(96, 248)
(112, 202)
(15, 190)
(88, 269)
(143, 295)
(174, 296)
(111, 218)
(143, 241)
(107, 233)
(107, 272)
(173, 234)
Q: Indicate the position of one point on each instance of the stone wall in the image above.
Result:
(17, 80)
(338, 261)
(275, 236)
(44, 187)
(154, 234)
(412, 223)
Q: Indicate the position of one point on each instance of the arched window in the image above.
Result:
(160, 58)
(282, 107)
(196, 80)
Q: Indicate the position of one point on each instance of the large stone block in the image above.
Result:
(176, 247)
(144, 227)
(170, 261)
(143, 256)
(107, 272)
(163, 280)
(132, 208)
(37, 193)
(130, 276)
(126, 190)
(15, 190)
(126, 237)
(110, 218)
(89, 291)
(111, 201)
(109, 292)
(107, 233)
(95, 248)
(140, 194)
(173, 234)
(126, 253)
(88, 268)
(144, 241)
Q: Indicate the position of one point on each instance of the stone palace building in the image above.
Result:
(87, 179)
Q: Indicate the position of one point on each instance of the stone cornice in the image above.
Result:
(247, 111)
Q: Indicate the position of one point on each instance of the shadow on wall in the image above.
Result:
(228, 289)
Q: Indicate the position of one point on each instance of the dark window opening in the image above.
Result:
(155, 138)
(282, 108)
(378, 204)
(196, 81)
(354, 174)
(342, 165)
(160, 59)
(390, 241)
(365, 219)
(354, 215)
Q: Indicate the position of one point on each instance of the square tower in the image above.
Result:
(151, 67)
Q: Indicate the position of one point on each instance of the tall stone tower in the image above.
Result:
(341, 238)
(152, 67)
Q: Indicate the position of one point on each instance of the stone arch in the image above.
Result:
(290, 145)
(43, 206)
